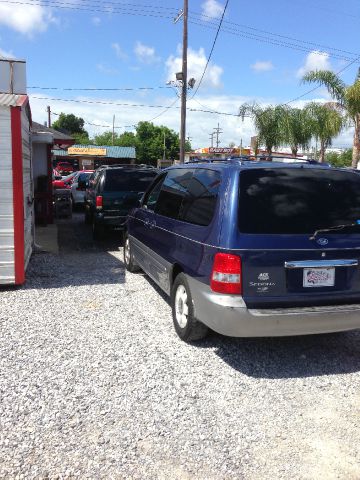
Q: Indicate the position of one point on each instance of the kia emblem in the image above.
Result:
(322, 241)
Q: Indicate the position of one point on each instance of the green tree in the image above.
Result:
(150, 143)
(343, 159)
(126, 139)
(71, 124)
(268, 123)
(82, 139)
(105, 138)
(297, 129)
(327, 123)
(347, 98)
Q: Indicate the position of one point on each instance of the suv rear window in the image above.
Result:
(128, 180)
(297, 200)
(83, 177)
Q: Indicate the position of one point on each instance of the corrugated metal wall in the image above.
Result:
(28, 187)
(7, 269)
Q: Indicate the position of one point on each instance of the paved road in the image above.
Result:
(95, 384)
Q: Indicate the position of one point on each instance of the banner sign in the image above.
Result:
(228, 150)
(87, 151)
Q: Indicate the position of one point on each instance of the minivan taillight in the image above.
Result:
(226, 274)
(99, 201)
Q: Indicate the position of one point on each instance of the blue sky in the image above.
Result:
(261, 52)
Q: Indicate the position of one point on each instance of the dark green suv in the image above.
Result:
(111, 192)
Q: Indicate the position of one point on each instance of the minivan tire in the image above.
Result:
(186, 326)
(129, 262)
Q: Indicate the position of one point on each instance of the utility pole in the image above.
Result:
(113, 130)
(184, 83)
(49, 115)
(217, 132)
(212, 139)
(164, 153)
(240, 146)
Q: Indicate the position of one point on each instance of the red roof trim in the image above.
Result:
(18, 195)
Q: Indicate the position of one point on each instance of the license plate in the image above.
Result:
(319, 277)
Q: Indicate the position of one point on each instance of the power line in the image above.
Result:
(315, 88)
(132, 105)
(82, 89)
(73, 6)
(285, 37)
(164, 111)
(159, 13)
(212, 48)
(272, 41)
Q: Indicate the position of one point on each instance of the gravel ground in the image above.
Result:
(95, 384)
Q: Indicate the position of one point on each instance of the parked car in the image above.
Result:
(78, 187)
(112, 192)
(64, 168)
(59, 182)
(251, 248)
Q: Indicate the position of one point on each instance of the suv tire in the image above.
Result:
(98, 230)
(187, 327)
(87, 215)
(129, 262)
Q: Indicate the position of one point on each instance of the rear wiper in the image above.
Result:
(331, 229)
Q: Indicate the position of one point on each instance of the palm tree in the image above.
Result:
(268, 123)
(297, 129)
(347, 98)
(327, 123)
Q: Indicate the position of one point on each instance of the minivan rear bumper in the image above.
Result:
(228, 315)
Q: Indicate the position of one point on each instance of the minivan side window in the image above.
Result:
(172, 192)
(152, 196)
(199, 204)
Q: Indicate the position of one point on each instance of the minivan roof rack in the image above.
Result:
(128, 165)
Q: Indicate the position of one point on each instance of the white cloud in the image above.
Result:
(315, 60)
(106, 70)
(264, 66)
(26, 19)
(196, 64)
(211, 9)
(5, 54)
(145, 54)
(119, 51)
(199, 124)
(96, 21)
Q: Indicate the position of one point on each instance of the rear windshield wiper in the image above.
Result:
(333, 229)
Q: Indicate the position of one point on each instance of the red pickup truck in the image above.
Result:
(64, 168)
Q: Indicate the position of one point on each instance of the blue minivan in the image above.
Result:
(251, 249)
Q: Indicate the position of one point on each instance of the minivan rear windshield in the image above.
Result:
(128, 180)
(297, 200)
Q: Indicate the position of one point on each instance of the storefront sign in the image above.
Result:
(87, 151)
(228, 150)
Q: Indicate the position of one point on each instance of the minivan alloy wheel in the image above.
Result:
(186, 325)
(129, 262)
(181, 306)
(127, 251)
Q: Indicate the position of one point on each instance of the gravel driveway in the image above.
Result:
(95, 384)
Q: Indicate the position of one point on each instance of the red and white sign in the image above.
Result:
(228, 150)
